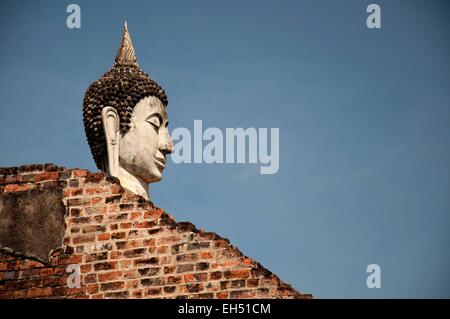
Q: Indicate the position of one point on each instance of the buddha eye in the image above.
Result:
(155, 121)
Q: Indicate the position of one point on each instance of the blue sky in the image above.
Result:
(364, 118)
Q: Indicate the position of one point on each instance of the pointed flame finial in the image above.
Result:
(126, 54)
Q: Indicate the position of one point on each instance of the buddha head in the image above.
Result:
(126, 122)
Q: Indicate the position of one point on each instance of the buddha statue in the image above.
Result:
(126, 122)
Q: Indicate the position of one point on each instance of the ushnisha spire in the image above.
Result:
(126, 56)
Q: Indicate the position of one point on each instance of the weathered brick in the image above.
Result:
(134, 252)
(103, 236)
(92, 289)
(216, 275)
(146, 224)
(157, 281)
(149, 261)
(97, 256)
(149, 271)
(118, 235)
(153, 291)
(45, 176)
(90, 278)
(70, 259)
(39, 292)
(105, 266)
(202, 266)
(229, 274)
(187, 257)
(169, 289)
(242, 294)
(222, 295)
(185, 268)
(116, 285)
(109, 276)
(173, 280)
(83, 239)
(79, 173)
(117, 294)
(252, 283)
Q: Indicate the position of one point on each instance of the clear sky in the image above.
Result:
(364, 118)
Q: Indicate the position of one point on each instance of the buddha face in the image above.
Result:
(143, 149)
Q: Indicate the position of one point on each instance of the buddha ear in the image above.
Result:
(111, 125)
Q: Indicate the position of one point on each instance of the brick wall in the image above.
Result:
(126, 248)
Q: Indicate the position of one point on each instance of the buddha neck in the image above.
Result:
(132, 183)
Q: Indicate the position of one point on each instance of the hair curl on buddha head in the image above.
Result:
(121, 87)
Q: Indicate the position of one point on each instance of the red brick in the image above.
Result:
(216, 275)
(29, 273)
(248, 262)
(109, 276)
(79, 172)
(132, 284)
(116, 255)
(126, 225)
(252, 283)
(189, 278)
(27, 264)
(185, 268)
(118, 235)
(136, 293)
(162, 249)
(173, 280)
(134, 252)
(47, 176)
(86, 268)
(231, 274)
(105, 266)
(83, 239)
(242, 294)
(187, 257)
(11, 187)
(191, 288)
(74, 291)
(117, 285)
(169, 269)
(68, 260)
(95, 190)
(76, 191)
(146, 224)
(116, 189)
(19, 294)
(153, 291)
(39, 292)
(206, 255)
(104, 236)
(135, 215)
(91, 278)
(130, 274)
(222, 295)
(96, 200)
(45, 272)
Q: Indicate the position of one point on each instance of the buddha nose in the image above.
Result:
(166, 144)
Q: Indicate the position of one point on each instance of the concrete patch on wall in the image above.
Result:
(32, 222)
